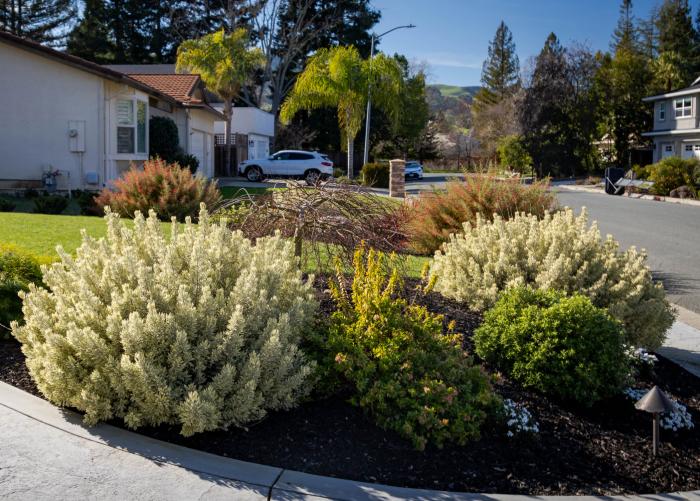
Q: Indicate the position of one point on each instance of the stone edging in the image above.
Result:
(280, 483)
(600, 191)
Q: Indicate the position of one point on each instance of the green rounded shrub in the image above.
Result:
(376, 174)
(560, 251)
(197, 329)
(163, 138)
(50, 204)
(560, 345)
(18, 269)
(409, 376)
(671, 173)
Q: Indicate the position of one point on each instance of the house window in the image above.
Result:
(683, 107)
(662, 112)
(668, 148)
(131, 126)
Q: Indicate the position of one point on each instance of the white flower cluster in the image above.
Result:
(199, 329)
(560, 251)
(519, 418)
(678, 419)
(641, 356)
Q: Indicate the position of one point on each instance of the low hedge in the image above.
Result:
(560, 345)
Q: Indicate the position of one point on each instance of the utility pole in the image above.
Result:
(365, 158)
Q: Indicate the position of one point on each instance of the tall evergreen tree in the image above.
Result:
(626, 36)
(500, 75)
(90, 39)
(43, 21)
(677, 34)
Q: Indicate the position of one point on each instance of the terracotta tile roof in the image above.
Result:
(178, 86)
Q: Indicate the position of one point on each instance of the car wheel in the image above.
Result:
(312, 176)
(253, 174)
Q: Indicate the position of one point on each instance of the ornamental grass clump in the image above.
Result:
(560, 345)
(408, 375)
(561, 252)
(168, 189)
(437, 215)
(198, 329)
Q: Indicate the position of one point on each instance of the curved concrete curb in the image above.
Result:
(187, 470)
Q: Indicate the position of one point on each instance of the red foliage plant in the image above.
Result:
(168, 189)
(436, 215)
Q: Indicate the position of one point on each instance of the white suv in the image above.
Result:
(308, 165)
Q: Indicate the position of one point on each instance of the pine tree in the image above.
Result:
(43, 21)
(626, 35)
(500, 75)
(677, 34)
(90, 39)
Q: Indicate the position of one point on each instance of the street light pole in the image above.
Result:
(365, 158)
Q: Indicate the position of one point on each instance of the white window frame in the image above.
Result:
(686, 108)
(662, 112)
(140, 145)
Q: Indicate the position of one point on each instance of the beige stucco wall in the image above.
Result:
(38, 98)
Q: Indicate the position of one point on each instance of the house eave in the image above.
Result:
(682, 92)
(671, 132)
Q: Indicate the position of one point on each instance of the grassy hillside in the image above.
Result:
(466, 93)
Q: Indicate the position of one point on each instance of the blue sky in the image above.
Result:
(452, 36)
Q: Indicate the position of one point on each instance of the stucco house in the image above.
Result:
(62, 113)
(676, 129)
(255, 126)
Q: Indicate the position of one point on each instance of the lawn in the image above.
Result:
(41, 233)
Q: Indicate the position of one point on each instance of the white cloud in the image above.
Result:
(449, 60)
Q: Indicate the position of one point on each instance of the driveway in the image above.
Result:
(670, 233)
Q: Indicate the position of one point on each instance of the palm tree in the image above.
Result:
(339, 77)
(225, 63)
(666, 70)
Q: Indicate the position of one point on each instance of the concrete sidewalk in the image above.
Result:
(683, 341)
(47, 454)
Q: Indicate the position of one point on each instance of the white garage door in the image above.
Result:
(197, 148)
(691, 150)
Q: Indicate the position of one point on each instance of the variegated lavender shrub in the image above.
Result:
(560, 251)
(199, 329)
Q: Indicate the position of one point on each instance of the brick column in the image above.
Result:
(397, 180)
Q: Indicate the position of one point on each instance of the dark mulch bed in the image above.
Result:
(603, 450)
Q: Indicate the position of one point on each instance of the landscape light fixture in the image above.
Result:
(655, 402)
(365, 158)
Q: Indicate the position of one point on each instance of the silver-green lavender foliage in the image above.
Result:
(199, 330)
(560, 251)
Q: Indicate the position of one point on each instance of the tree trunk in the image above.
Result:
(227, 138)
(351, 157)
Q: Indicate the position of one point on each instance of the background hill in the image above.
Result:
(450, 106)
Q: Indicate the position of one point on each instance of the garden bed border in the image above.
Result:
(280, 483)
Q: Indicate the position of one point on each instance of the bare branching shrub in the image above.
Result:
(326, 221)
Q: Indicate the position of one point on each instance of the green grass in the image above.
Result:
(456, 91)
(237, 191)
(39, 234)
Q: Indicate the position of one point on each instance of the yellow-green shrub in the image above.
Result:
(198, 330)
(376, 174)
(557, 344)
(18, 269)
(671, 173)
(409, 376)
(562, 252)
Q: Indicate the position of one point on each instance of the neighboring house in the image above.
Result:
(257, 125)
(61, 112)
(676, 123)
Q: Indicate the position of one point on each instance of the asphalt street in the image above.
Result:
(670, 234)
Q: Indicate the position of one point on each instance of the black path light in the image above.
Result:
(655, 402)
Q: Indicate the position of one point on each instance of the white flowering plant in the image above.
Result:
(560, 251)
(518, 418)
(678, 419)
(199, 329)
